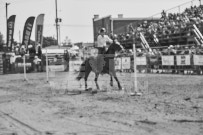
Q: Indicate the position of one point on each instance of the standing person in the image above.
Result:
(22, 50)
(39, 51)
(4, 63)
(67, 59)
(102, 39)
(12, 63)
(17, 49)
(39, 54)
(36, 62)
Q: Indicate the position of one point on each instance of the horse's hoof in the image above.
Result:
(121, 88)
(88, 89)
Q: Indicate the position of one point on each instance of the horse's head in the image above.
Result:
(117, 47)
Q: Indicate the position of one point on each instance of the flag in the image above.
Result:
(39, 29)
(27, 31)
(10, 31)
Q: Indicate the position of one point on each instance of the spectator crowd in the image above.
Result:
(169, 25)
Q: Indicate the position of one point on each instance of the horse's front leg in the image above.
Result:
(85, 84)
(119, 85)
(111, 80)
(86, 76)
(96, 78)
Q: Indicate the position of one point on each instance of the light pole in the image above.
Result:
(56, 20)
(7, 11)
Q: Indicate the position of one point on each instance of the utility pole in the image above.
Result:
(7, 24)
(7, 11)
(59, 35)
(56, 20)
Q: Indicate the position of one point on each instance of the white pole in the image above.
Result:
(135, 92)
(145, 41)
(24, 65)
(47, 68)
(198, 36)
(135, 69)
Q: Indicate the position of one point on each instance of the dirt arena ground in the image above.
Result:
(170, 105)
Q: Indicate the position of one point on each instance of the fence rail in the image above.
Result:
(163, 64)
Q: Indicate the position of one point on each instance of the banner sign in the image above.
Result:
(56, 68)
(75, 65)
(167, 60)
(10, 31)
(22, 64)
(125, 62)
(39, 29)
(183, 60)
(141, 61)
(198, 59)
(117, 63)
(27, 31)
(55, 61)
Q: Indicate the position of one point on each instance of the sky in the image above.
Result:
(77, 14)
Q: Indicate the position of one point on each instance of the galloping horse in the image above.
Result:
(101, 64)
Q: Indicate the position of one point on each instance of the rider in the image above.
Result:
(102, 39)
(115, 39)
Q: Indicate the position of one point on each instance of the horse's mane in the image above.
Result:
(110, 48)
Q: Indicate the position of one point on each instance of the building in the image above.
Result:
(117, 25)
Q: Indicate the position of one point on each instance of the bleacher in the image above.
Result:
(165, 32)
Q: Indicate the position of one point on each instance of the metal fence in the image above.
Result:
(183, 64)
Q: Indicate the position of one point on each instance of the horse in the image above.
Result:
(101, 64)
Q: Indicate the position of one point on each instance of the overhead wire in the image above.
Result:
(174, 7)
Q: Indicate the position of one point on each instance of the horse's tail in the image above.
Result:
(82, 71)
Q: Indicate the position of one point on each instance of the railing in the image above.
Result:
(183, 64)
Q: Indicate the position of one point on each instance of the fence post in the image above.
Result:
(47, 68)
(24, 66)
(135, 92)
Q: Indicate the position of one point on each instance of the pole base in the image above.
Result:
(25, 79)
(136, 94)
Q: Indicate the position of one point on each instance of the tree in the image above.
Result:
(1, 41)
(48, 41)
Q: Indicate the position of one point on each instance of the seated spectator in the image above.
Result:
(186, 51)
(178, 50)
(164, 51)
(127, 36)
(199, 51)
(171, 50)
(139, 52)
(193, 50)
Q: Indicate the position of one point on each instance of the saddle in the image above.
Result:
(97, 63)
